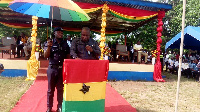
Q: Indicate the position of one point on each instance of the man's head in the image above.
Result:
(138, 43)
(22, 34)
(58, 32)
(85, 34)
(68, 37)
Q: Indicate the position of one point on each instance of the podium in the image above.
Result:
(84, 85)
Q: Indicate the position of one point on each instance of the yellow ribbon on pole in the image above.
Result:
(103, 29)
(33, 64)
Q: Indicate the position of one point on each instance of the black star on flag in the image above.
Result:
(84, 88)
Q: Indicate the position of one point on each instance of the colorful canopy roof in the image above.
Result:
(123, 15)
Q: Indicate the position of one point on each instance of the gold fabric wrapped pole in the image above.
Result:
(33, 64)
(103, 30)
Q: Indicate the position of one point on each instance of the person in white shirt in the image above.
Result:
(138, 48)
(171, 65)
(176, 66)
(69, 41)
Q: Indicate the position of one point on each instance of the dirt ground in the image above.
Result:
(160, 96)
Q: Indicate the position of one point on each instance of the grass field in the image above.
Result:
(144, 96)
(159, 96)
(11, 90)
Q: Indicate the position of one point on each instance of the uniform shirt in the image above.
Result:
(78, 49)
(58, 52)
(137, 47)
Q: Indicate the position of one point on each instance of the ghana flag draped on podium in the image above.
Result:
(84, 85)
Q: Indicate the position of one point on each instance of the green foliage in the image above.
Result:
(174, 16)
(10, 32)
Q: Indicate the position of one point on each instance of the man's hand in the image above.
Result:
(49, 43)
(47, 53)
(89, 48)
(78, 58)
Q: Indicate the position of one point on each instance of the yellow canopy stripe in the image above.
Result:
(13, 26)
(5, 1)
(96, 91)
(132, 17)
(92, 9)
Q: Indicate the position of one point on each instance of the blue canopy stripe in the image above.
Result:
(191, 39)
(43, 11)
(143, 3)
(33, 10)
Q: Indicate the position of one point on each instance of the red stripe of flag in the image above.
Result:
(82, 71)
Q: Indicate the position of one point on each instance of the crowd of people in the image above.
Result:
(24, 45)
(190, 67)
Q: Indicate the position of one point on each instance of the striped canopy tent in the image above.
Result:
(191, 39)
(122, 16)
(66, 29)
(111, 16)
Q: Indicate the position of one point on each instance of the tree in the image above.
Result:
(174, 16)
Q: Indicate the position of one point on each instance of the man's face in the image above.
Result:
(85, 35)
(22, 35)
(58, 34)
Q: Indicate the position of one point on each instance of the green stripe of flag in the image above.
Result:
(84, 106)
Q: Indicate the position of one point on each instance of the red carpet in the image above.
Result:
(34, 100)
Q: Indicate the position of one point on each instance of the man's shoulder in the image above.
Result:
(92, 40)
(76, 40)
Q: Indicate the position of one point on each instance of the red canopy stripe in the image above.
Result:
(133, 17)
(18, 25)
(131, 11)
(119, 9)
(87, 5)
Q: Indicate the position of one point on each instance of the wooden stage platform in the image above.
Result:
(117, 70)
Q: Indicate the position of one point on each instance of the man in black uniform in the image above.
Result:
(57, 51)
(85, 47)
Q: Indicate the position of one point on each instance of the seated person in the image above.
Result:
(171, 65)
(195, 69)
(113, 50)
(27, 47)
(185, 68)
(138, 48)
(20, 45)
(176, 65)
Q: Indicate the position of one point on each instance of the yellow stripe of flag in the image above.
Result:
(96, 91)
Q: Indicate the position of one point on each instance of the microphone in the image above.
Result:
(88, 51)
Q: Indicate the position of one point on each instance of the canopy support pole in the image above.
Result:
(125, 36)
(103, 30)
(180, 57)
(157, 67)
(33, 64)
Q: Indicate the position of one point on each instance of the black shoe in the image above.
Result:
(18, 57)
(48, 110)
(27, 57)
(59, 109)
